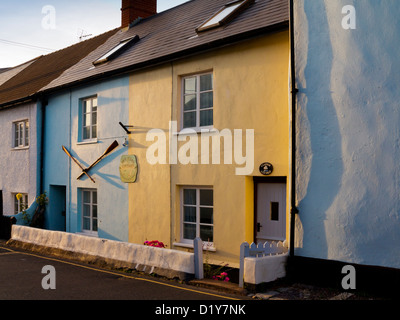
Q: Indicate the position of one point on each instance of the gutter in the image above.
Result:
(14, 103)
(294, 90)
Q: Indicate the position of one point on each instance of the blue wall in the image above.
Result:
(62, 128)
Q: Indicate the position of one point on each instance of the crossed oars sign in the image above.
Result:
(85, 171)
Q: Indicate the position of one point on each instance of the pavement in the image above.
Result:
(284, 290)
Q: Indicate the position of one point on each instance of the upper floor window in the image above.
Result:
(21, 134)
(197, 101)
(89, 118)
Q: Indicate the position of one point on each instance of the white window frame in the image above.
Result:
(116, 50)
(89, 101)
(91, 205)
(20, 139)
(224, 14)
(197, 128)
(18, 203)
(206, 243)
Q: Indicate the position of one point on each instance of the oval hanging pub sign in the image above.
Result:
(266, 168)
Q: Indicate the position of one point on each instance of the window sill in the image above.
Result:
(206, 246)
(88, 234)
(19, 148)
(92, 141)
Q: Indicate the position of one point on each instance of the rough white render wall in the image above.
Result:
(348, 132)
(18, 167)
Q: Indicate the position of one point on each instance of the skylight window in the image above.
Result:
(223, 15)
(118, 49)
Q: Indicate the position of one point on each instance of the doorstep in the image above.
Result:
(217, 285)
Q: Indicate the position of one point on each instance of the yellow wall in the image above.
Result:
(250, 92)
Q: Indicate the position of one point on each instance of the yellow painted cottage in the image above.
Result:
(209, 126)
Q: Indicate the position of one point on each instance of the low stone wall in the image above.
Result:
(124, 255)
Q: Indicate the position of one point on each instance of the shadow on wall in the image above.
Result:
(324, 139)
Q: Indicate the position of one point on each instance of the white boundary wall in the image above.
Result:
(263, 262)
(264, 269)
(109, 249)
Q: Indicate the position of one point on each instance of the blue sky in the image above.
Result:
(28, 28)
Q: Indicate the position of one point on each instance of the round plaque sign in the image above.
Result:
(266, 168)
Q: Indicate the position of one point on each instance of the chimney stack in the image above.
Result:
(133, 9)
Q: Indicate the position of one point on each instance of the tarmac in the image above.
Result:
(281, 289)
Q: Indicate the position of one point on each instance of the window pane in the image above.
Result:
(206, 233)
(94, 197)
(206, 197)
(274, 209)
(189, 231)
(189, 119)
(86, 196)
(206, 100)
(26, 133)
(189, 196)
(16, 143)
(94, 131)
(94, 118)
(86, 132)
(86, 119)
(16, 205)
(206, 118)
(223, 14)
(94, 221)
(86, 210)
(86, 224)
(94, 104)
(206, 82)
(190, 102)
(94, 211)
(85, 107)
(21, 134)
(206, 215)
(189, 214)
(190, 85)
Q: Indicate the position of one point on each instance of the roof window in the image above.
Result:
(224, 14)
(118, 49)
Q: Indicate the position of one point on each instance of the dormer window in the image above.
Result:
(225, 14)
(118, 49)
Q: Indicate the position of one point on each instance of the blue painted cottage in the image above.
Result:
(84, 141)
(81, 123)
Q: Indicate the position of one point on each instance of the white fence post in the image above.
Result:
(198, 258)
(244, 252)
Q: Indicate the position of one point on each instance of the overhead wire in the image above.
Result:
(14, 43)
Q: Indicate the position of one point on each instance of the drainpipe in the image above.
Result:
(41, 161)
(294, 90)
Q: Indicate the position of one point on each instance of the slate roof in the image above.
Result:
(7, 73)
(171, 35)
(26, 83)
